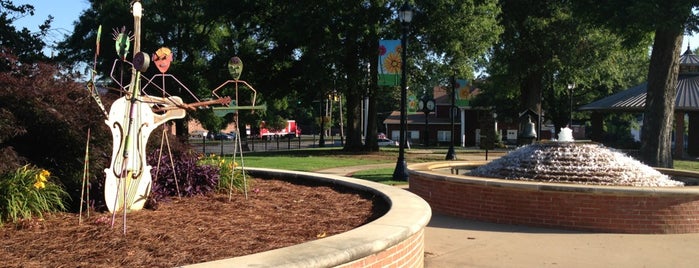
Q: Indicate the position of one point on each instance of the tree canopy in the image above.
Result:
(666, 22)
(550, 60)
(296, 54)
(21, 42)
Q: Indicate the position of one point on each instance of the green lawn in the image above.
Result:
(686, 165)
(314, 159)
(305, 163)
(381, 175)
(323, 158)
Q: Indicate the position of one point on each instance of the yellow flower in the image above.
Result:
(39, 185)
(43, 176)
(392, 63)
(235, 164)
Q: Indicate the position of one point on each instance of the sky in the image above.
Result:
(65, 12)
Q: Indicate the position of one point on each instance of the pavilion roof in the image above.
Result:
(634, 99)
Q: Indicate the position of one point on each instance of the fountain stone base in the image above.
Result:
(617, 209)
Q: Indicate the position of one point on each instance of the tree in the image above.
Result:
(544, 49)
(193, 30)
(293, 53)
(666, 21)
(22, 43)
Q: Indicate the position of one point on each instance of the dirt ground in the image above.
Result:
(190, 230)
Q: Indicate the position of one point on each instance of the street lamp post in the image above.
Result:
(426, 105)
(570, 91)
(405, 14)
(321, 141)
(451, 154)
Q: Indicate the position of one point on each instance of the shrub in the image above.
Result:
(44, 118)
(192, 178)
(28, 192)
(231, 177)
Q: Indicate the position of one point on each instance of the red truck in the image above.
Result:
(291, 130)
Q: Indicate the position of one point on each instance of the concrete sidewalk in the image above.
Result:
(456, 242)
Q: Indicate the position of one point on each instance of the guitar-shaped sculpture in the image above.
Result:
(131, 119)
(129, 178)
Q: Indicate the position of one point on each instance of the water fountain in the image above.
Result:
(562, 184)
(567, 161)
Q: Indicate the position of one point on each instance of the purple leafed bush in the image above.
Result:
(192, 178)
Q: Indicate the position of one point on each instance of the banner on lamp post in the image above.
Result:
(390, 63)
(412, 103)
(465, 93)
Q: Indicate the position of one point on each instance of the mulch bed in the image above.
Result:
(190, 230)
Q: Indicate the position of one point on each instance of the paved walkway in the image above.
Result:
(455, 242)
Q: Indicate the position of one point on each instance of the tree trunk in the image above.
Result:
(660, 99)
(353, 140)
(354, 94)
(371, 141)
(531, 96)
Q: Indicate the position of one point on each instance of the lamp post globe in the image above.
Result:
(405, 15)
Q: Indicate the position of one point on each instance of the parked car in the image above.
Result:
(198, 134)
(223, 136)
(387, 142)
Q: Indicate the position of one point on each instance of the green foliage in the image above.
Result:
(275, 123)
(48, 116)
(24, 44)
(670, 20)
(324, 120)
(294, 52)
(29, 192)
(181, 176)
(544, 49)
(231, 176)
(617, 129)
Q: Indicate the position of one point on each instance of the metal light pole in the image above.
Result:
(451, 154)
(405, 14)
(426, 105)
(321, 141)
(570, 90)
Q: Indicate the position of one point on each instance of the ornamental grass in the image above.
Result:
(29, 192)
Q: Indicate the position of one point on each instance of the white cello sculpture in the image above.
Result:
(128, 180)
(131, 119)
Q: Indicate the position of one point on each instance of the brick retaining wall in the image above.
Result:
(408, 253)
(576, 207)
(395, 239)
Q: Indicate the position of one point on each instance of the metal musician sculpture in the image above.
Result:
(235, 68)
(131, 120)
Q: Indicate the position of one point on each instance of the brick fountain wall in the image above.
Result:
(566, 206)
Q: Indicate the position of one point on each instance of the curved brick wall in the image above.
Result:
(565, 206)
(396, 239)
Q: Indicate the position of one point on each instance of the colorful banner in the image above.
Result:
(412, 103)
(390, 62)
(464, 93)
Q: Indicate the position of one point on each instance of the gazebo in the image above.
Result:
(634, 100)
